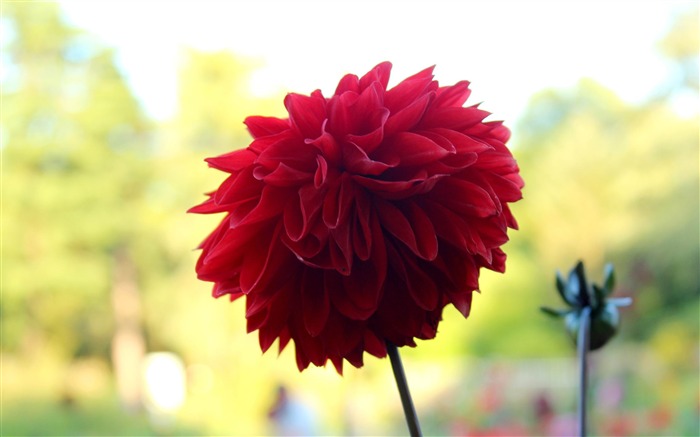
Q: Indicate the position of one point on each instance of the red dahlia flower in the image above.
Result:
(360, 217)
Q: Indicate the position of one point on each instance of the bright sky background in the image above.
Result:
(509, 50)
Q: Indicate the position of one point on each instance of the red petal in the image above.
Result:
(370, 141)
(233, 161)
(410, 149)
(464, 197)
(499, 131)
(261, 267)
(282, 176)
(379, 74)
(341, 119)
(301, 212)
(456, 118)
(208, 207)
(314, 302)
(292, 152)
(278, 311)
(307, 113)
(272, 202)
(407, 117)
(328, 146)
(409, 89)
(338, 201)
(454, 95)
(238, 187)
(462, 143)
(357, 162)
(349, 82)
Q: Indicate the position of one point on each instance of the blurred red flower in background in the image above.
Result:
(360, 217)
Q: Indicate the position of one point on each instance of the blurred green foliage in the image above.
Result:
(88, 180)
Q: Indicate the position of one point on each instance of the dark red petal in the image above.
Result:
(462, 301)
(421, 287)
(426, 238)
(337, 363)
(340, 246)
(314, 302)
(364, 286)
(343, 302)
(395, 222)
(284, 338)
(307, 113)
(259, 126)
(362, 232)
(374, 345)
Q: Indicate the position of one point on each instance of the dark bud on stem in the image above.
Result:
(578, 294)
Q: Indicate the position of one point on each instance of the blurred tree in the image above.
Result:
(75, 147)
(607, 181)
(681, 45)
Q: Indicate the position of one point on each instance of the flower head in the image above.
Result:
(356, 220)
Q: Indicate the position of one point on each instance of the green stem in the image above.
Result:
(408, 408)
(583, 348)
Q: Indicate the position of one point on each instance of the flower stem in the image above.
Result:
(583, 347)
(408, 408)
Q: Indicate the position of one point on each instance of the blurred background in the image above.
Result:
(109, 108)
